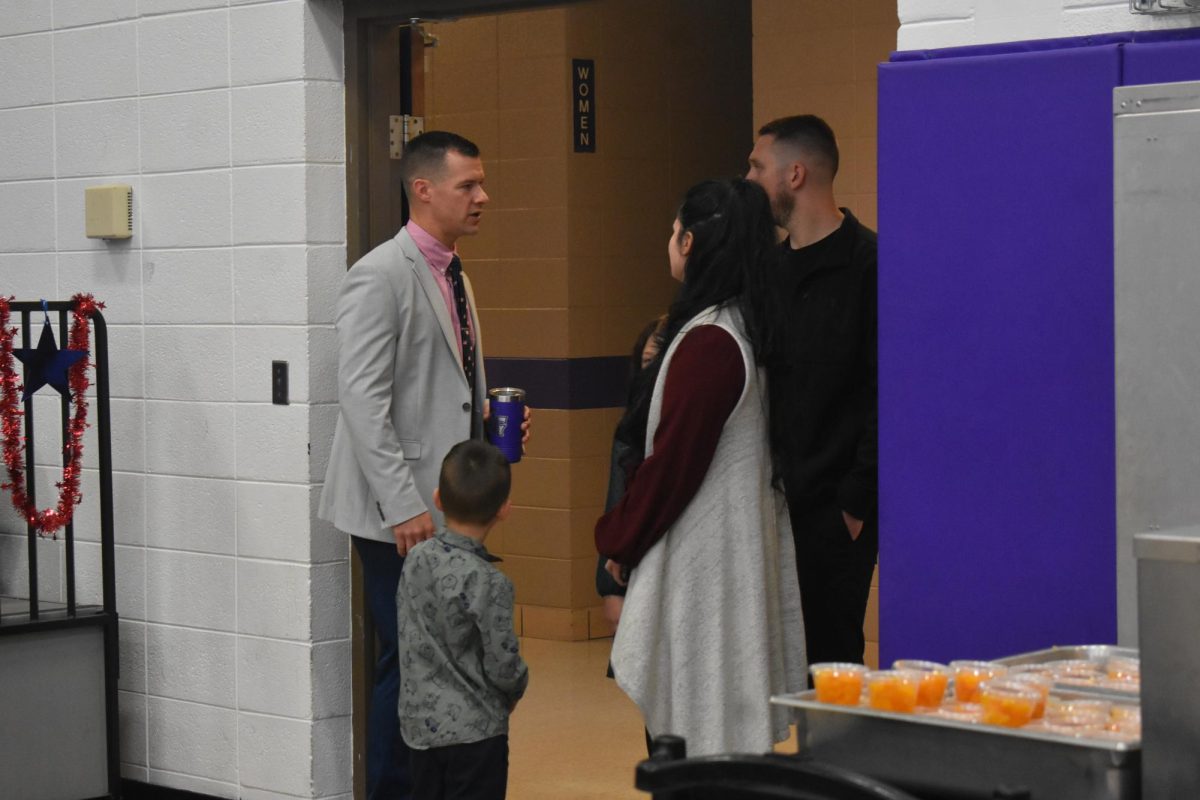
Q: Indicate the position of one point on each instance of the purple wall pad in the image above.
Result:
(996, 452)
(1162, 62)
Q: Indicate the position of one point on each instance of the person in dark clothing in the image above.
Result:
(621, 463)
(824, 389)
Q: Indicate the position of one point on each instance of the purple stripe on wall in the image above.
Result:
(563, 383)
(996, 451)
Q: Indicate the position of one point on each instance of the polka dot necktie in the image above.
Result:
(454, 273)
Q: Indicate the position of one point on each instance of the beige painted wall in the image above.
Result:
(571, 260)
(820, 58)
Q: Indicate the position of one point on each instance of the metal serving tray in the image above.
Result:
(1084, 652)
(941, 758)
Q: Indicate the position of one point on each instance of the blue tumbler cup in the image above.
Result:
(504, 424)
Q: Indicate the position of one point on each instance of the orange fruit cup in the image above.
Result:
(1038, 683)
(1007, 703)
(1076, 671)
(958, 712)
(1041, 670)
(1077, 709)
(1124, 669)
(1126, 720)
(934, 677)
(969, 674)
(1079, 726)
(893, 690)
(839, 684)
(1125, 714)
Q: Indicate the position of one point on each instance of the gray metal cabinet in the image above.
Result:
(1157, 286)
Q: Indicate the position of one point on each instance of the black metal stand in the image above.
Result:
(42, 617)
(669, 775)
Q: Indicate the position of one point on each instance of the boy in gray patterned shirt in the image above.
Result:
(461, 671)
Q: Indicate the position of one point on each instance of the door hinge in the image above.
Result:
(401, 130)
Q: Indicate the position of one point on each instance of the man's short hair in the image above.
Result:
(474, 482)
(425, 155)
(809, 133)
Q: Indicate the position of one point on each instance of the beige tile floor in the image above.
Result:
(575, 735)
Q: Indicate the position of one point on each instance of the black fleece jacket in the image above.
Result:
(825, 389)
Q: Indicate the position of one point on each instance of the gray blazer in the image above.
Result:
(404, 401)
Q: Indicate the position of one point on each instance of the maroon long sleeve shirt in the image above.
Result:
(703, 383)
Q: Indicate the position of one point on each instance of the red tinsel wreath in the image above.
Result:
(47, 521)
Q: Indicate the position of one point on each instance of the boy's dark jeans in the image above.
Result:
(475, 771)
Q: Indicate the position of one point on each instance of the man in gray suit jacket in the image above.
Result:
(411, 386)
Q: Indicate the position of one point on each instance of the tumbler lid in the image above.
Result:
(507, 394)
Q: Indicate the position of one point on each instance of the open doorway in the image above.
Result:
(570, 262)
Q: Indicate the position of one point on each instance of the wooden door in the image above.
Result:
(384, 78)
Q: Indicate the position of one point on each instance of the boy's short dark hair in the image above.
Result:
(425, 155)
(474, 482)
(808, 132)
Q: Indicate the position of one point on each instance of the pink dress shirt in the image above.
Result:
(438, 257)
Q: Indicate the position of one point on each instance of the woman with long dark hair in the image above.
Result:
(711, 625)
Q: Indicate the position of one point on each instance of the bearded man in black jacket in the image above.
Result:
(824, 392)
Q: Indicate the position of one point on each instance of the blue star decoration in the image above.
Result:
(47, 365)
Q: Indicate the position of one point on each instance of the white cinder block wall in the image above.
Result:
(927, 24)
(227, 118)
